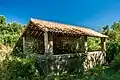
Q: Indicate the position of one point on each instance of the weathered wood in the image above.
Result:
(46, 42)
(77, 46)
(84, 47)
(50, 43)
(24, 50)
(32, 33)
(36, 33)
(39, 34)
(103, 44)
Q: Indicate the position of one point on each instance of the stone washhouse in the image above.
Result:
(59, 47)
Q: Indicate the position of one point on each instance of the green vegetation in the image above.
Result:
(93, 44)
(9, 32)
(14, 68)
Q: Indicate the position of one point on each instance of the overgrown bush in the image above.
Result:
(116, 63)
(13, 68)
(113, 50)
(9, 32)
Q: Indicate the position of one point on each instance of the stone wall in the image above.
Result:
(69, 62)
(60, 63)
(34, 44)
(94, 58)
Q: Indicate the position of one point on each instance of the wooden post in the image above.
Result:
(77, 46)
(103, 48)
(84, 47)
(48, 43)
(46, 50)
(24, 50)
(103, 44)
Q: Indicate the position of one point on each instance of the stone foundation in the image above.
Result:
(69, 62)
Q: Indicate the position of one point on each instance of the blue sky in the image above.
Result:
(90, 13)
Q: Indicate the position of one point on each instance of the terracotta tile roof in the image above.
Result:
(64, 28)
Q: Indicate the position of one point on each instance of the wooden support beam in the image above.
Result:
(24, 50)
(32, 33)
(103, 44)
(77, 46)
(84, 46)
(48, 43)
(36, 33)
(39, 34)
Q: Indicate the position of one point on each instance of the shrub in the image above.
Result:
(14, 68)
(116, 63)
(113, 50)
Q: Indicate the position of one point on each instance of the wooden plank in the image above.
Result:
(32, 33)
(36, 33)
(39, 34)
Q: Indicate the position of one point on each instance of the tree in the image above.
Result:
(9, 32)
(113, 40)
(2, 20)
